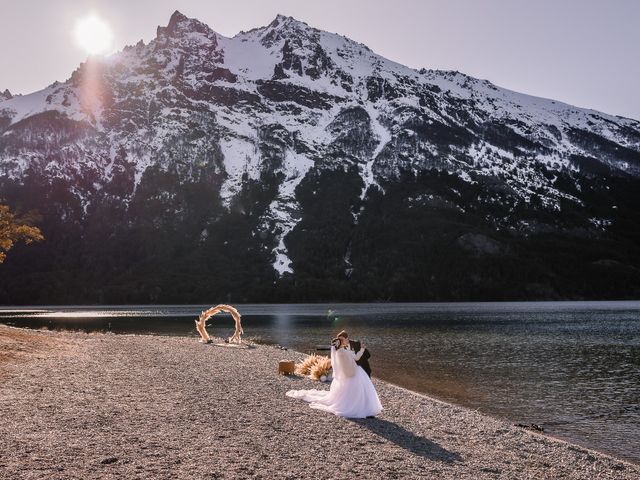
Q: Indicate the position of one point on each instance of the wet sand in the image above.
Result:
(78, 405)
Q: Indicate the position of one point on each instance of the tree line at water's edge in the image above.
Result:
(175, 242)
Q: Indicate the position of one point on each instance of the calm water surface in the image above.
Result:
(572, 367)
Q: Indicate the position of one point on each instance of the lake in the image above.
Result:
(571, 367)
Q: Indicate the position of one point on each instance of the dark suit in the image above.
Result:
(364, 359)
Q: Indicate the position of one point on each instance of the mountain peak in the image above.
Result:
(176, 18)
(283, 27)
(286, 21)
(181, 23)
(6, 95)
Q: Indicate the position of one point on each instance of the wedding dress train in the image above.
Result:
(351, 394)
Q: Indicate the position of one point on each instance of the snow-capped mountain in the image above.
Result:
(328, 168)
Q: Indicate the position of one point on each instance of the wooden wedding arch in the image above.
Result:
(207, 314)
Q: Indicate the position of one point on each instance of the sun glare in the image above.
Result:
(93, 35)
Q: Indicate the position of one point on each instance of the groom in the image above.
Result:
(355, 346)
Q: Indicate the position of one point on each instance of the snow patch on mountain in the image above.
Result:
(384, 137)
(53, 97)
(284, 211)
(240, 159)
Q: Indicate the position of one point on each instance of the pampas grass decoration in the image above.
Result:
(304, 367)
(314, 366)
(321, 367)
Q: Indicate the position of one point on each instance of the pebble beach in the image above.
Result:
(78, 405)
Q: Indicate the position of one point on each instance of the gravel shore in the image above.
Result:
(75, 405)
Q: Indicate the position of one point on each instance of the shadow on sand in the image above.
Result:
(408, 440)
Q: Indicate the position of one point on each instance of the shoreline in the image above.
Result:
(435, 398)
(415, 431)
(501, 419)
(426, 395)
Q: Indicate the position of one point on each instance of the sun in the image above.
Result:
(93, 35)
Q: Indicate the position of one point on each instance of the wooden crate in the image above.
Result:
(286, 367)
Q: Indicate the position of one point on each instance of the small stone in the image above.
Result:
(491, 470)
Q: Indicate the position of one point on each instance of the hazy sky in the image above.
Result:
(583, 52)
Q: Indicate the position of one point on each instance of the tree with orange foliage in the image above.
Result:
(13, 230)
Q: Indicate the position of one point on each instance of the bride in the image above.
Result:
(351, 394)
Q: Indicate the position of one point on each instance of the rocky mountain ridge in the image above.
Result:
(312, 168)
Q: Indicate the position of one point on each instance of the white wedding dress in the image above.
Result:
(351, 394)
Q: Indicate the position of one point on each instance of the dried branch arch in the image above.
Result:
(207, 314)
